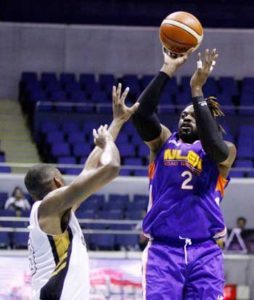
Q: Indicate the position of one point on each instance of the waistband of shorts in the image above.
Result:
(181, 242)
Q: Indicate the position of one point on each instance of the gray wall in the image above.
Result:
(102, 49)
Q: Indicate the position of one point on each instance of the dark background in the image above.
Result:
(222, 13)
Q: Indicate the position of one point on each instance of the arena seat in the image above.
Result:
(20, 240)
(4, 240)
(3, 198)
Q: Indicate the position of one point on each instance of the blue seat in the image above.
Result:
(228, 84)
(8, 213)
(106, 82)
(136, 140)
(67, 78)
(103, 241)
(47, 126)
(125, 172)
(66, 160)
(4, 240)
(141, 172)
(87, 81)
(171, 87)
(60, 149)
(48, 77)
(131, 81)
(2, 158)
(78, 96)
(5, 169)
(72, 171)
(54, 136)
(183, 99)
(29, 76)
(128, 241)
(99, 96)
(185, 83)
(127, 150)
(52, 87)
(116, 201)
(58, 96)
(76, 137)
(123, 138)
(113, 214)
(70, 127)
(145, 80)
(81, 150)
(3, 198)
(94, 202)
(133, 214)
(244, 151)
(133, 161)
(20, 240)
(210, 87)
(143, 150)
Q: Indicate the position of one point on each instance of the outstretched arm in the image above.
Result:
(145, 119)
(121, 114)
(211, 138)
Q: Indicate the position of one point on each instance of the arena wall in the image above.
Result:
(107, 49)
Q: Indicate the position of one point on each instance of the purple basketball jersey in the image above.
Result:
(185, 192)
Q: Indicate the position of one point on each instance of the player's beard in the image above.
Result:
(188, 135)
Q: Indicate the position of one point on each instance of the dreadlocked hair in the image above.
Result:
(215, 109)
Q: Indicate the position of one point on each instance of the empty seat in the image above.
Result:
(66, 160)
(4, 240)
(127, 150)
(133, 161)
(103, 241)
(54, 136)
(76, 137)
(20, 240)
(81, 150)
(70, 127)
(60, 149)
(48, 126)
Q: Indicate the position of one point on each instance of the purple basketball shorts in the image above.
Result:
(185, 271)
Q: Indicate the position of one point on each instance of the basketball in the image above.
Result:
(181, 31)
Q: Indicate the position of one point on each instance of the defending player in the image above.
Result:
(58, 255)
(188, 173)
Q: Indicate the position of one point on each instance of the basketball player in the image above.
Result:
(58, 255)
(188, 174)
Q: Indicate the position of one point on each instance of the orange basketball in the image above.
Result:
(181, 31)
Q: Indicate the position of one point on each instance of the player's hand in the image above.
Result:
(205, 66)
(102, 136)
(173, 61)
(121, 112)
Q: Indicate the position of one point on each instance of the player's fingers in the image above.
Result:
(95, 135)
(199, 62)
(207, 56)
(100, 130)
(114, 94)
(134, 107)
(124, 95)
(118, 91)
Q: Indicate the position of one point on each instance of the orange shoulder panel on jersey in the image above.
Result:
(151, 170)
(221, 184)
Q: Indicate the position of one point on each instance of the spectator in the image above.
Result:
(17, 201)
(235, 241)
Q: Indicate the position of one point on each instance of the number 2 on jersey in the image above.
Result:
(186, 183)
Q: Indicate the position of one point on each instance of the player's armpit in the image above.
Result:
(225, 166)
